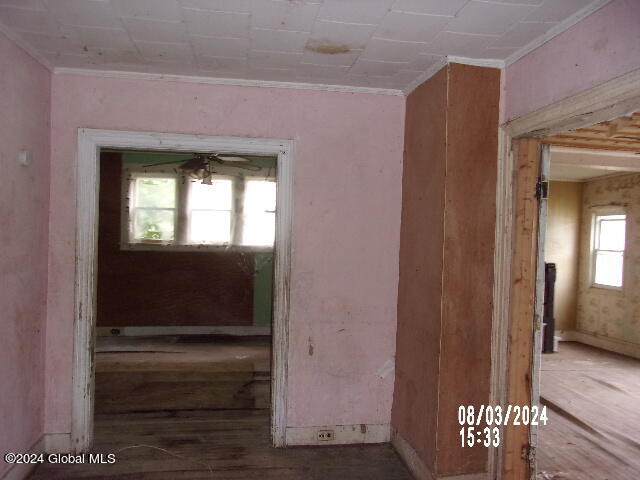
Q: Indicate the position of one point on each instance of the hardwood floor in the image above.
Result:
(593, 399)
(189, 436)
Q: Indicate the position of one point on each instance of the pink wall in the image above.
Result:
(25, 91)
(348, 166)
(601, 47)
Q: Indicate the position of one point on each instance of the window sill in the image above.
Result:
(606, 289)
(167, 247)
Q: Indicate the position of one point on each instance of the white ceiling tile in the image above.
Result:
(216, 24)
(405, 77)
(324, 71)
(339, 59)
(22, 19)
(433, 7)
(499, 53)
(411, 27)
(156, 9)
(520, 2)
(156, 30)
(223, 64)
(355, 11)
(423, 62)
(240, 6)
(368, 67)
(271, 74)
(391, 50)
(62, 43)
(104, 37)
(488, 18)
(220, 47)
(69, 60)
(556, 10)
(283, 15)
(264, 59)
(29, 4)
(354, 36)
(166, 52)
(115, 56)
(522, 33)
(88, 13)
(278, 40)
(458, 44)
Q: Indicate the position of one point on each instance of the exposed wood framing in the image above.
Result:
(516, 464)
(515, 275)
(621, 134)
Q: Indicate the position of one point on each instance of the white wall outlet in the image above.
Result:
(24, 157)
(326, 435)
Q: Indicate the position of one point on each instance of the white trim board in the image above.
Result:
(605, 343)
(87, 183)
(239, 331)
(343, 434)
(242, 82)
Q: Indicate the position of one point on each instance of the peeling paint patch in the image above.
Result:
(386, 368)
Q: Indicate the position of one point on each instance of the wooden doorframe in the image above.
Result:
(514, 378)
(90, 142)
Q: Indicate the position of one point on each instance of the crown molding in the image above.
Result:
(225, 81)
(556, 30)
(478, 62)
(11, 35)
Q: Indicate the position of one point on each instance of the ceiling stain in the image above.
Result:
(330, 48)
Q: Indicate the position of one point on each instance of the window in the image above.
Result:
(608, 249)
(259, 212)
(153, 212)
(166, 210)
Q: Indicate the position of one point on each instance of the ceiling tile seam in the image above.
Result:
(557, 30)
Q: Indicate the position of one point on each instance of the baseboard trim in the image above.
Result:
(20, 471)
(57, 442)
(606, 343)
(343, 434)
(410, 457)
(153, 331)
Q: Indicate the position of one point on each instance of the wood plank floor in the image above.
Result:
(593, 399)
(203, 443)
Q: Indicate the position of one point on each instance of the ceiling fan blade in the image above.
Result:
(236, 158)
(167, 163)
(253, 168)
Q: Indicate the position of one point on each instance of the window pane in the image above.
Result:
(153, 224)
(259, 196)
(608, 269)
(155, 192)
(611, 234)
(210, 226)
(259, 229)
(216, 196)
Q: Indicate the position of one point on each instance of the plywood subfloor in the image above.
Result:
(593, 399)
(202, 443)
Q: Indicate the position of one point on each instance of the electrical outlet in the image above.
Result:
(326, 435)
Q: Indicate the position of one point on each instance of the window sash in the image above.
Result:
(600, 277)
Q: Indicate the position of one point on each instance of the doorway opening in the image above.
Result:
(183, 246)
(590, 365)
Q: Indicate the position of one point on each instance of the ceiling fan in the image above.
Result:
(201, 166)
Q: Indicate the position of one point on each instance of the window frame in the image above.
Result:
(181, 225)
(596, 213)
